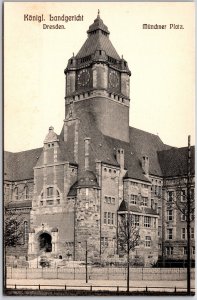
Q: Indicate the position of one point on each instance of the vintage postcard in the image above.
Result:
(99, 148)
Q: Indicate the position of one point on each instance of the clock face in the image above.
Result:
(114, 79)
(83, 78)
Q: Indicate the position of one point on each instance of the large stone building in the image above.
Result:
(75, 188)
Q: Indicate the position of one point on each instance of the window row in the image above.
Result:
(109, 200)
(147, 221)
(183, 215)
(181, 195)
(109, 218)
(133, 199)
(22, 193)
(69, 244)
(156, 190)
(170, 250)
(110, 170)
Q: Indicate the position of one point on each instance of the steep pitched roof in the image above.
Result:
(19, 165)
(145, 143)
(98, 39)
(173, 162)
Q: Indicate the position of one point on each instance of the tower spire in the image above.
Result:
(98, 16)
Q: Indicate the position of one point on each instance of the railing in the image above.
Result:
(117, 288)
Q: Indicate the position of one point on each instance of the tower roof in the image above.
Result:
(98, 39)
(98, 24)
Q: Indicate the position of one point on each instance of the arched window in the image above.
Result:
(52, 196)
(25, 232)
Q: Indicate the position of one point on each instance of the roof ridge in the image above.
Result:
(5, 151)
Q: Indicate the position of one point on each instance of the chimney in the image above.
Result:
(120, 157)
(145, 164)
(87, 153)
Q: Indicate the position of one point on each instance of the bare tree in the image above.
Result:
(183, 200)
(128, 238)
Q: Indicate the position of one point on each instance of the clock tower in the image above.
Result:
(97, 82)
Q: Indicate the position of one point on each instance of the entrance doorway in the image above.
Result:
(45, 242)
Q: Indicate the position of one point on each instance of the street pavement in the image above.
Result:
(109, 285)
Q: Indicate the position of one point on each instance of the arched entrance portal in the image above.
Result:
(45, 242)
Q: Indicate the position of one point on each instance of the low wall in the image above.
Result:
(105, 273)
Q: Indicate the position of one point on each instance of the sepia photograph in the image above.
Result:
(98, 160)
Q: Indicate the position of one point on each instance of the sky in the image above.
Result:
(161, 62)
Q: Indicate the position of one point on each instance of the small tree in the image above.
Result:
(12, 229)
(128, 238)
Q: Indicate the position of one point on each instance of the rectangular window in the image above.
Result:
(184, 250)
(49, 192)
(144, 201)
(183, 215)
(105, 218)
(183, 196)
(49, 202)
(26, 191)
(147, 241)
(16, 193)
(169, 251)
(135, 220)
(159, 190)
(183, 233)
(156, 189)
(112, 218)
(152, 203)
(169, 215)
(109, 218)
(147, 221)
(159, 231)
(159, 211)
(192, 233)
(113, 200)
(104, 241)
(109, 200)
(193, 250)
(169, 234)
(133, 199)
(170, 196)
